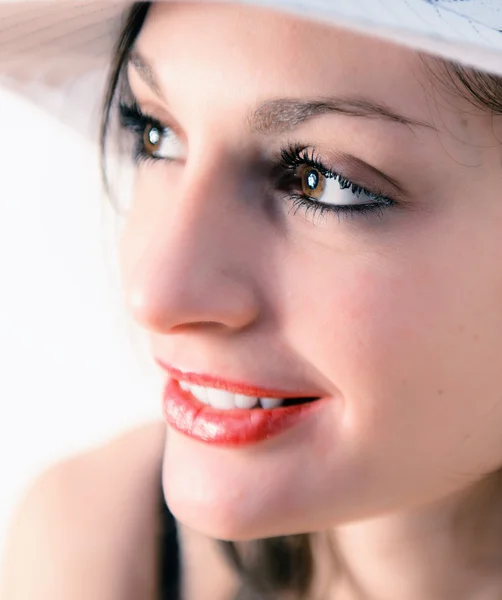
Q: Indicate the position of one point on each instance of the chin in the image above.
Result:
(240, 495)
(229, 498)
(225, 523)
(217, 514)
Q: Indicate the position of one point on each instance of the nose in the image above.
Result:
(187, 261)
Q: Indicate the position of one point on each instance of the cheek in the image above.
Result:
(147, 211)
(412, 343)
(353, 316)
(134, 230)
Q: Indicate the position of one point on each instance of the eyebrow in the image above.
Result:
(284, 114)
(146, 72)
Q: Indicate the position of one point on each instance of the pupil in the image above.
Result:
(313, 179)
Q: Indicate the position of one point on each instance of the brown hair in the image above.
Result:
(283, 565)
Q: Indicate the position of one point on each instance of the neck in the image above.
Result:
(449, 550)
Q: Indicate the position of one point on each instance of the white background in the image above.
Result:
(71, 373)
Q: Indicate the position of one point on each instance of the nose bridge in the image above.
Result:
(195, 264)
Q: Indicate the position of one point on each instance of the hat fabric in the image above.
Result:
(56, 52)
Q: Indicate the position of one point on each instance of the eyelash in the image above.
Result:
(133, 119)
(295, 156)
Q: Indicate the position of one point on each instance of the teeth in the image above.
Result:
(270, 402)
(184, 386)
(220, 399)
(245, 401)
(199, 392)
(223, 400)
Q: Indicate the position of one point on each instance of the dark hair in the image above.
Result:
(273, 566)
(133, 23)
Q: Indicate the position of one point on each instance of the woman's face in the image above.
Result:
(393, 312)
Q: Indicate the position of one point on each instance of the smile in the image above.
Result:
(217, 419)
(226, 400)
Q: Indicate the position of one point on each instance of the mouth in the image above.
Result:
(216, 411)
(226, 400)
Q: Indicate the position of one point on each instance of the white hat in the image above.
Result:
(57, 52)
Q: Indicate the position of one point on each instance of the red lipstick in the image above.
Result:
(232, 427)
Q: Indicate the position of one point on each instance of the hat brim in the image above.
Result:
(57, 52)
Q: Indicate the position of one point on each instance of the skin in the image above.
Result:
(57, 548)
(397, 317)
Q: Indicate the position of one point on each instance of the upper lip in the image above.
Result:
(235, 387)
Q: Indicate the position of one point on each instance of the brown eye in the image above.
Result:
(151, 139)
(313, 182)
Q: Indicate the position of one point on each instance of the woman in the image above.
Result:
(313, 249)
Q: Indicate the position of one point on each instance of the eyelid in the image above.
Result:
(151, 109)
(341, 163)
(364, 174)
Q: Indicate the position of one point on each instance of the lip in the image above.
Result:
(233, 387)
(231, 428)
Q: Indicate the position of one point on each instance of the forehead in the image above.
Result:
(236, 52)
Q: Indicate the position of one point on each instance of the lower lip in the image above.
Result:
(234, 427)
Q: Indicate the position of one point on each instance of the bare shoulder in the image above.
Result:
(87, 526)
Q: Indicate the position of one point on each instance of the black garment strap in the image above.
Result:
(169, 558)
